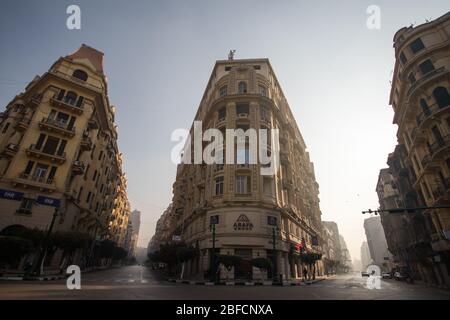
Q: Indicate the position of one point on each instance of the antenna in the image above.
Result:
(231, 54)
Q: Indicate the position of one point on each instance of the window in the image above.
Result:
(425, 108)
(29, 167)
(222, 113)
(242, 184)
(40, 141)
(267, 186)
(40, 172)
(80, 74)
(100, 155)
(71, 98)
(61, 148)
(227, 68)
(437, 135)
(441, 96)
(219, 186)
(51, 175)
(26, 205)
(426, 66)
(50, 145)
(262, 91)
(264, 113)
(94, 176)
(223, 91)
(88, 198)
(403, 58)
(242, 108)
(5, 128)
(411, 78)
(448, 163)
(79, 194)
(242, 87)
(416, 45)
(257, 67)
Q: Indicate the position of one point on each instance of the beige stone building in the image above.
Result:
(58, 148)
(420, 97)
(245, 206)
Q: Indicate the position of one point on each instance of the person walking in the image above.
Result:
(305, 274)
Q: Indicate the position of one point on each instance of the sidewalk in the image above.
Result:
(295, 282)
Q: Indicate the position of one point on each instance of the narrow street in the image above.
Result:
(138, 282)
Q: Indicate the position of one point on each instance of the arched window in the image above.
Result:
(441, 96)
(242, 87)
(80, 74)
(425, 108)
(70, 98)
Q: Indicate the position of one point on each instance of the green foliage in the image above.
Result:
(262, 264)
(228, 261)
(13, 248)
(119, 253)
(70, 241)
(186, 253)
(107, 248)
(310, 258)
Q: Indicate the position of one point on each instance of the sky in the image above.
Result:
(335, 73)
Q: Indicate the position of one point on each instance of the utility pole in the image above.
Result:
(213, 254)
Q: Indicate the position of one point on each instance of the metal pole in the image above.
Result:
(213, 254)
(274, 255)
(43, 251)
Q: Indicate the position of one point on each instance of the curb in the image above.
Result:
(246, 283)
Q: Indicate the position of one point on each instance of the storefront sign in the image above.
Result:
(243, 223)
(48, 201)
(11, 195)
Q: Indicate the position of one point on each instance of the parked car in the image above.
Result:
(364, 274)
(399, 276)
(386, 275)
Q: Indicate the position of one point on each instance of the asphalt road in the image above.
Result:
(137, 282)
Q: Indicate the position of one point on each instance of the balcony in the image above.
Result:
(78, 167)
(23, 123)
(10, 150)
(440, 192)
(32, 151)
(265, 121)
(67, 105)
(41, 183)
(428, 162)
(34, 101)
(440, 145)
(426, 78)
(86, 143)
(53, 125)
(431, 112)
(220, 123)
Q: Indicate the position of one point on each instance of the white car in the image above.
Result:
(364, 274)
(386, 275)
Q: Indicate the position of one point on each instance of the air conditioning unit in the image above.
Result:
(242, 115)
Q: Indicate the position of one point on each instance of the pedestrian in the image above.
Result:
(305, 274)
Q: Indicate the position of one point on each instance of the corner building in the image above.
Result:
(420, 97)
(58, 149)
(248, 209)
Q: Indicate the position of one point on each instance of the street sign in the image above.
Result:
(48, 201)
(11, 195)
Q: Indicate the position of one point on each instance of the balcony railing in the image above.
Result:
(425, 78)
(23, 123)
(54, 125)
(37, 153)
(35, 181)
(440, 144)
(11, 149)
(70, 105)
(78, 167)
(426, 114)
(86, 143)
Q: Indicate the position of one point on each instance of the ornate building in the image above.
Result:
(232, 207)
(421, 102)
(58, 149)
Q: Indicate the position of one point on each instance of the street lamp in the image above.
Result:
(37, 268)
(213, 221)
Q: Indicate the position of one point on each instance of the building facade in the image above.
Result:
(421, 101)
(135, 220)
(232, 208)
(58, 150)
(366, 260)
(376, 241)
(332, 251)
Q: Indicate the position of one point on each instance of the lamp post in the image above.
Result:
(213, 221)
(37, 268)
(274, 254)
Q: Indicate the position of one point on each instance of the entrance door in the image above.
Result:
(244, 271)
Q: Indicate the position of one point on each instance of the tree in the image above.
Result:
(119, 253)
(310, 259)
(263, 264)
(173, 254)
(228, 261)
(107, 248)
(12, 249)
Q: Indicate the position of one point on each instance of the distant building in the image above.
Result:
(346, 260)
(135, 224)
(366, 260)
(376, 241)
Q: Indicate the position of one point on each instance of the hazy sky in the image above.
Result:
(334, 71)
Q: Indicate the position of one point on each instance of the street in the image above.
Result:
(138, 282)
